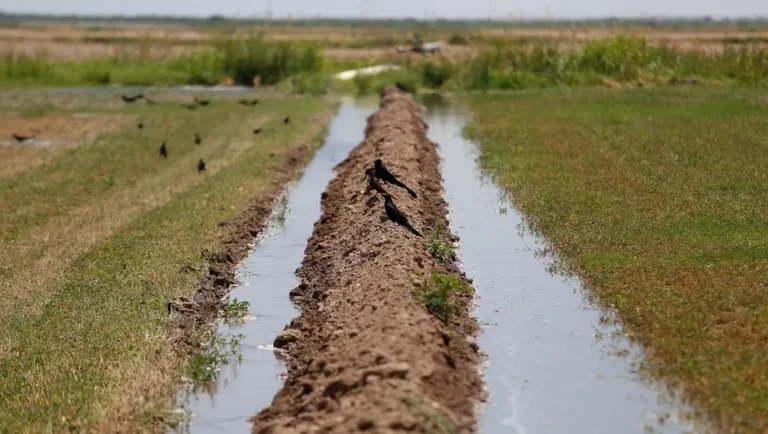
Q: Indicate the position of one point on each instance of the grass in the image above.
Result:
(95, 242)
(437, 291)
(656, 198)
(440, 250)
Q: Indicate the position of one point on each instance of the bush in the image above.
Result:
(434, 75)
(457, 39)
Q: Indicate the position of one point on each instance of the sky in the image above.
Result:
(498, 9)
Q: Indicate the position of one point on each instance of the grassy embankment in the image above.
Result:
(93, 244)
(504, 64)
(657, 199)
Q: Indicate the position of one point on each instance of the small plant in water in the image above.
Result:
(436, 293)
(204, 367)
(235, 309)
(439, 249)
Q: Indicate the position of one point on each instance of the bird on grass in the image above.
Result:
(202, 102)
(22, 139)
(201, 166)
(131, 99)
(251, 102)
(141, 125)
(257, 131)
(190, 106)
(287, 120)
(381, 172)
(397, 216)
(163, 151)
(373, 184)
(198, 139)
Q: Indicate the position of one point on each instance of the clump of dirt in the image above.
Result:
(365, 355)
(198, 313)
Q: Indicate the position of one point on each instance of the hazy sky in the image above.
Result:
(399, 8)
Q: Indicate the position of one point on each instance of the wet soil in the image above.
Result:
(365, 355)
(198, 313)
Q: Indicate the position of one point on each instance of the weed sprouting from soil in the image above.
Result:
(438, 422)
(235, 309)
(204, 367)
(440, 250)
(436, 293)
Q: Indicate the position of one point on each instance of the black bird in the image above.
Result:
(131, 99)
(201, 166)
(396, 215)
(198, 139)
(202, 102)
(163, 151)
(189, 106)
(257, 131)
(22, 139)
(150, 101)
(252, 102)
(373, 184)
(287, 120)
(385, 175)
(141, 125)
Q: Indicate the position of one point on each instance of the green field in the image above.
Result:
(94, 240)
(658, 199)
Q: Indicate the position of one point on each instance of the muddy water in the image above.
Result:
(552, 366)
(266, 277)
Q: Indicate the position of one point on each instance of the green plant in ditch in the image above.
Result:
(219, 351)
(437, 421)
(440, 250)
(235, 309)
(436, 293)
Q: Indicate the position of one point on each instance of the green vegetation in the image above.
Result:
(440, 250)
(436, 293)
(204, 368)
(97, 240)
(657, 199)
(235, 309)
(240, 59)
(458, 39)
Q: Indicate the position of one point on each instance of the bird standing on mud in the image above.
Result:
(397, 216)
(201, 166)
(131, 99)
(381, 172)
(257, 131)
(198, 139)
(163, 151)
(141, 125)
(202, 102)
(373, 184)
(22, 139)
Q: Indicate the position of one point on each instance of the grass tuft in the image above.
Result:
(440, 250)
(436, 293)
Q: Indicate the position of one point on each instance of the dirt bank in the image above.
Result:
(365, 355)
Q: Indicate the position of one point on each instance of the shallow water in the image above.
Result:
(552, 365)
(267, 275)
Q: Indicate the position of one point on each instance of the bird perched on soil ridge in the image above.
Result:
(373, 184)
(381, 172)
(397, 216)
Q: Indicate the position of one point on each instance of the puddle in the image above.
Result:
(267, 275)
(552, 366)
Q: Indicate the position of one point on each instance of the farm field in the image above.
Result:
(656, 198)
(99, 232)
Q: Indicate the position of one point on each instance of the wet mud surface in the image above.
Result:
(365, 355)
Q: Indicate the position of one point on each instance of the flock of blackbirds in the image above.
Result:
(194, 105)
(379, 172)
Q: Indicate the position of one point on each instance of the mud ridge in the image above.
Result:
(365, 355)
(198, 313)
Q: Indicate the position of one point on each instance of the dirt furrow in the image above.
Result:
(365, 354)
